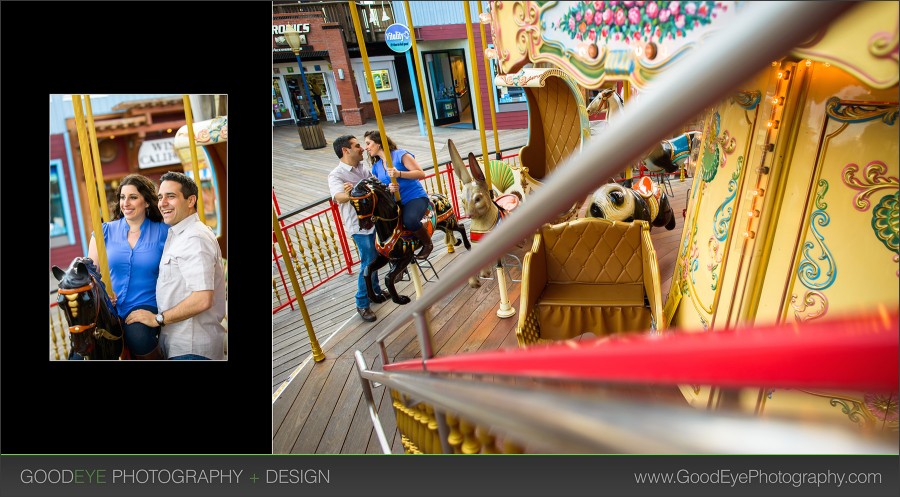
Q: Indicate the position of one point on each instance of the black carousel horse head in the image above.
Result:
(95, 331)
(372, 201)
(618, 203)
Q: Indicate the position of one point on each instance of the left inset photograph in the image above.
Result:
(138, 241)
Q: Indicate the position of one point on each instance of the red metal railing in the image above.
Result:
(322, 251)
(790, 355)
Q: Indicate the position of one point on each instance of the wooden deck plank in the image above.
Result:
(282, 406)
(301, 407)
(323, 411)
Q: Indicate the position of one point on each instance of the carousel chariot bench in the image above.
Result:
(589, 275)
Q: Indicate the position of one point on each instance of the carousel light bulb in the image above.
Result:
(774, 63)
(775, 101)
(827, 64)
(808, 62)
(758, 192)
(780, 74)
(749, 235)
(753, 213)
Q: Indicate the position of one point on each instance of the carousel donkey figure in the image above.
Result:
(375, 205)
(486, 211)
(94, 328)
(644, 201)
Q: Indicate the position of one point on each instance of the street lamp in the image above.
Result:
(293, 39)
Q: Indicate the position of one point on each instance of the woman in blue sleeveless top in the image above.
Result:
(134, 244)
(413, 198)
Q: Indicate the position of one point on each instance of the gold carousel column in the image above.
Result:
(189, 119)
(93, 195)
(98, 169)
(318, 355)
(450, 238)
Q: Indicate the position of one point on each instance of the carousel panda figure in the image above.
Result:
(644, 201)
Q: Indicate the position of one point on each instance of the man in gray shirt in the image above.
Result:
(349, 172)
(190, 291)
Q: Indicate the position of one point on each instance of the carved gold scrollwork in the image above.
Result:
(846, 112)
(813, 305)
(747, 99)
(875, 180)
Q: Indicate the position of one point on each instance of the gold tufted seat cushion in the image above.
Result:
(589, 275)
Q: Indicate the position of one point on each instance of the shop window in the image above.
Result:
(504, 95)
(61, 229)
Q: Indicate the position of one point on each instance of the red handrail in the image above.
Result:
(853, 353)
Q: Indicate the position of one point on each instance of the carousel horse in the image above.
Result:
(606, 101)
(645, 201)
(486, 211)
(669, 155)
(375, 205)
(95, 330)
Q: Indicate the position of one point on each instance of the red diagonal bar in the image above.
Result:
(854, 353)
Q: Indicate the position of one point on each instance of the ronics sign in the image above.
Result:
(278, 29)
(155, 153)
(397, 38)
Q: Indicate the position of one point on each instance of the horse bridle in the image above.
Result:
(371, 193)
(98, 332)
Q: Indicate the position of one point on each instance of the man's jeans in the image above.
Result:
(366, 246)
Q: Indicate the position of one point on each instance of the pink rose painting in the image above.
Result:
(635, 20)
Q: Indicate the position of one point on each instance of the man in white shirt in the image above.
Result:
(341, 180)
(190, 291)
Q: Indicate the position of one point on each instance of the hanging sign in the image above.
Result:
(155, 153)
(397, 38)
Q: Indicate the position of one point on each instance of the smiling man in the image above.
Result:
(190, 291)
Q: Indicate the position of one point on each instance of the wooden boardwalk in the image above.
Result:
(321, 409)
(301, 176)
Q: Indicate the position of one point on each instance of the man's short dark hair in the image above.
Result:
(341, 143)
(188, 187)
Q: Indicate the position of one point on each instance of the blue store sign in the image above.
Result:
(397, 38)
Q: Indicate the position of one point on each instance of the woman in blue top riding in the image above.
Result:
(413, 198)
(134, 244)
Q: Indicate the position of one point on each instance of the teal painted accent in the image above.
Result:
(412, 75)
(885, 221)
(69, 159)
(720, 221)
(64, 199)
(709, 165)
(809, 271)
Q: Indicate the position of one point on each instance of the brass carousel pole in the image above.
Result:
(506, 310)
(476, 90)
(487, 74)
(189, 118)
(370, 82)
(98, 170)
(93, 200)
(318, 355)
(421, 80)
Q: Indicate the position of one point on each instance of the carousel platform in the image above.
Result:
(318, 408)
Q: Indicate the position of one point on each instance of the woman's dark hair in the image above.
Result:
(375, 136)
(147, 189)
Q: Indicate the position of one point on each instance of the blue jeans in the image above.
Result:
(189, 357)
(140, 338)
(413, 212)
(366, 246)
